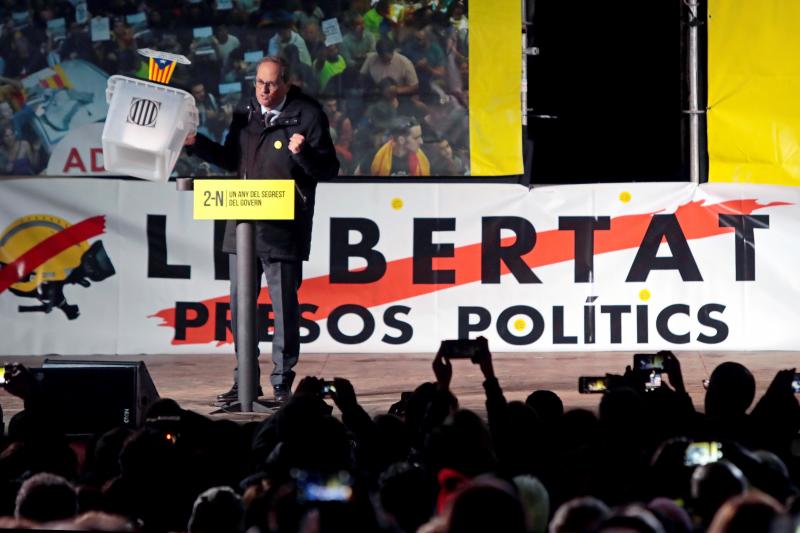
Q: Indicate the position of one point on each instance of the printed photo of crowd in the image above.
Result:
(392, 75)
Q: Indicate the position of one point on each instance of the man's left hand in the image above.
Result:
(296, 143)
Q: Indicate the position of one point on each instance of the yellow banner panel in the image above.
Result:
(243, 199)
(754, 91)
(495, 74)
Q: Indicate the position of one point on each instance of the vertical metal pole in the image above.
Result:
(246, 334)
(524, 86)
(246, 287)
(695, 142)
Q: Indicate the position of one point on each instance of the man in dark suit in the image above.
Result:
(284, 134)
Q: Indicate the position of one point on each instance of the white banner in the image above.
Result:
(97, 266)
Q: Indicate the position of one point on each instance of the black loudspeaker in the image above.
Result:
(89, 397)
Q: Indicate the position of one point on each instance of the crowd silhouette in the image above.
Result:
(647, 461)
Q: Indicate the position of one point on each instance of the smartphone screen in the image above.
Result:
(648, 361)
(314, 492)
(328, 388)
(654, 382)
(592, 385)
(2, 375)
(796, 384)
(702, 453)
(316, 488)
(459, 348)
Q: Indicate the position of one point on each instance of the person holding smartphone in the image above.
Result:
(283, 134)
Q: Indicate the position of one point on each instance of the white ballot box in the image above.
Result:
(146, 126)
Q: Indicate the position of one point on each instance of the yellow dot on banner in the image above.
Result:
(644, 295)
(519, 324)
(397, 203)
(625, 197)
(278, 145)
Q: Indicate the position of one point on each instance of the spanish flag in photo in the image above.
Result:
(161, 69)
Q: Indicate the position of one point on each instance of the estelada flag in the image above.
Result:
(161, 69)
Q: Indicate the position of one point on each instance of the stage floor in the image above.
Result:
(194, 380)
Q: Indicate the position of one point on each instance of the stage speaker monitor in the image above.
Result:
(90, 397)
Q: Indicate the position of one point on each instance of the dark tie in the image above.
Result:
(270, 117)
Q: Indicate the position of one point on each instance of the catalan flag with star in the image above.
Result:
(161, 69)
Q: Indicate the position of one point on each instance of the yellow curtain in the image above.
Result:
(495, 73)
(754, 91)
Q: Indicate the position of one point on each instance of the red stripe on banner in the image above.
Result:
(697, 220)
(49, 248)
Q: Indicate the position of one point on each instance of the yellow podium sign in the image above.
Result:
(237, 199)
